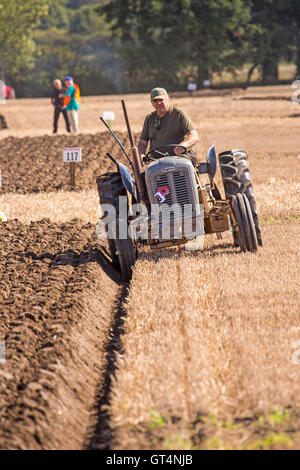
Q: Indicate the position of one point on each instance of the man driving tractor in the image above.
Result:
(168, 125)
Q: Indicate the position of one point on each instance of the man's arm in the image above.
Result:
(68, 92)
(191, 139)
(142, 145)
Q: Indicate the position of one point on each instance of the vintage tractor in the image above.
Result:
(174, 205)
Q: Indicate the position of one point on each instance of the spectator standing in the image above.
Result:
(58, 103)
(71, 102)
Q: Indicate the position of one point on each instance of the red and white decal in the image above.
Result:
(161, 194)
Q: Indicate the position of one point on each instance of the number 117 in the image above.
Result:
(72, 156)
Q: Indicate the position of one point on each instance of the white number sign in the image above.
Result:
(108, 115)
(72, 155)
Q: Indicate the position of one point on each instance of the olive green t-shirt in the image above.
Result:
(170, 129)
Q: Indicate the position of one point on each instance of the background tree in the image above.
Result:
(271, 22)
(113, 46)
(72, 40)
(293, 20)
(169, 41)
(18, 20)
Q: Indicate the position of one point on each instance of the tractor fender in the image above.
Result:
(126, 178)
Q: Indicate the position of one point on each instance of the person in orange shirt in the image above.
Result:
(71, 102)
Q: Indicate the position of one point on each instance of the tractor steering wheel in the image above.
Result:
(161, 154)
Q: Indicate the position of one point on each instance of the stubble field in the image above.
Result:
(201, 349)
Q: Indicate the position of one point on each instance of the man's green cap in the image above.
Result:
(158, 93)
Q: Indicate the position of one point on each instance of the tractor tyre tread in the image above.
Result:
(236, 180)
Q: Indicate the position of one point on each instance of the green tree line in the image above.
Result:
(114, 46)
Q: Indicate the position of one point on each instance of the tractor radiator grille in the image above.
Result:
(182, 192)
(179, 192)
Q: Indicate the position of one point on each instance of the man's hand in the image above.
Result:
(190, 140)
(178, 150)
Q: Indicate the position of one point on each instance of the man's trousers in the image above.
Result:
(57, 111)
(74, 119)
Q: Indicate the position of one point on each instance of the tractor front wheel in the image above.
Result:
(123, 252)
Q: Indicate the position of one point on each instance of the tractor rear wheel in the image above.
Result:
(123, 252)
(246, 236)
(236, 179)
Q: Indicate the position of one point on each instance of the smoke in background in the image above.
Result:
(94, 67)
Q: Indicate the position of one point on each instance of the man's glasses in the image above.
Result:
(157, 122)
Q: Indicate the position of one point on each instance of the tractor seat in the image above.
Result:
(210, 166)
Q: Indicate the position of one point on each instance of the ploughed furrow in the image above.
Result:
(209, 356)
(35, 164)
(57, 300)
